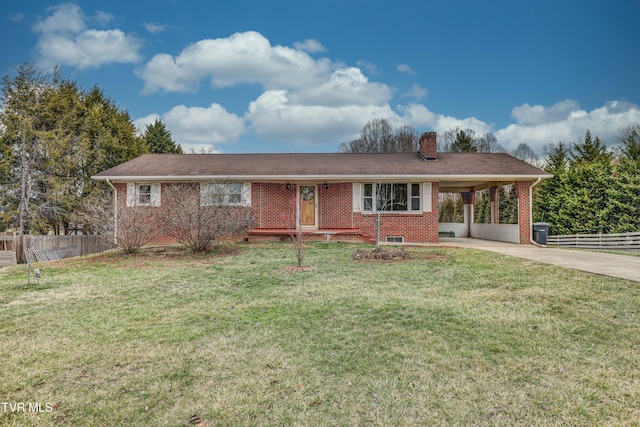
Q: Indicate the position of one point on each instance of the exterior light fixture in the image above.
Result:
(326, 186)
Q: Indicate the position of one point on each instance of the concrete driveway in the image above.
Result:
(621, 266)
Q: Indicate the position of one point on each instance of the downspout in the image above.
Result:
(115, 212)
(533, 242)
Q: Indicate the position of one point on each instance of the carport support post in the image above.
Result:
(494, 193)
(524, 210)
(469, 200)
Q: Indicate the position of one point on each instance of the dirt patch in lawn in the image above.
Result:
(169, 255)
(396, 254)
(296, 268)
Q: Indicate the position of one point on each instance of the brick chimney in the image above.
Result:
(428, 146)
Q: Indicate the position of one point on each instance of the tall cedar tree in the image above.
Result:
(159, 140)
(54, 138)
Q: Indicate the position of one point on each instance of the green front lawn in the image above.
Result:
(451, 337)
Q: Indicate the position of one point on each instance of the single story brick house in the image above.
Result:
(337, 195)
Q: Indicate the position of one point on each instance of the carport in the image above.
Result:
(512, 233)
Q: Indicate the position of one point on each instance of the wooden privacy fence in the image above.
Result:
(618, 241)
(49, 248)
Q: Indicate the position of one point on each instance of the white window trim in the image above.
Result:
(245, 193)
(133, 195)
(425, 191)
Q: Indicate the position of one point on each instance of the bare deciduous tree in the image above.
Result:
(292, 217)
(379, 136)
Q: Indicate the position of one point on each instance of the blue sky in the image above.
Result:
(304, 76)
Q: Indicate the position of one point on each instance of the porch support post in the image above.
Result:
(469, 201)
(494, 197)
(524, 210)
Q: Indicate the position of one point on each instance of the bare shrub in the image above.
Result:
(134, 228)
(131, 227)
(196, 217)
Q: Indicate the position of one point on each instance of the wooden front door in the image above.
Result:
(307, 205)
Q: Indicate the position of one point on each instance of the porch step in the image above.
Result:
(340, 234)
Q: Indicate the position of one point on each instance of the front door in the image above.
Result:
(307, 206)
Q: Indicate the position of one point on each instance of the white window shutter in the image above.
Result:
(357, 197)
(155, 194)
(426, 197)
(205, 190)
(131, 194)
(246, 194)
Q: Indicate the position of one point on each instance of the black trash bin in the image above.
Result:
(540, 232)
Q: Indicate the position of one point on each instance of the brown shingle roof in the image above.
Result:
(208, 166)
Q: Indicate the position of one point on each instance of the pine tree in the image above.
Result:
(159, 140)
(463, 143)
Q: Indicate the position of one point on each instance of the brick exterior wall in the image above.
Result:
(524, 213)
(334, 206)
(274, 208)
(150, 215)
(494, 199)
(414, 227)
(273, 205)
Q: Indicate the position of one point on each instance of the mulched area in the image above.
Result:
(382, 254)
(295, 268)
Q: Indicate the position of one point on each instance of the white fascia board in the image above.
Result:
(319, 178)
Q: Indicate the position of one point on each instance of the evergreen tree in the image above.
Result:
(630, 142)
(482, 210)
(159, 140)
(463, 143)
(508, 206)
(590, 150)
(53, 138)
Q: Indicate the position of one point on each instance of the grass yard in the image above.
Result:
(451, 337)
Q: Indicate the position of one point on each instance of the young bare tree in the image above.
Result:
(199, 215)
(291, 217)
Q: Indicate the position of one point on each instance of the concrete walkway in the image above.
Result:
(621, 266)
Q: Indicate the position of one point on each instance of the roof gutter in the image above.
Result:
(115, 211)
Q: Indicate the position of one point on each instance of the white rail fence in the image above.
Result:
(618, 241)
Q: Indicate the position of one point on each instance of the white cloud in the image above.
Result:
(16, 17)
(103, 18)
(155, 28)
(323, 103)
(369, 67)
(416, 92)
(346, 86)
(141, 122)
(537, 114)
(404, 68)
(198, 126)
(310, 45)
(565, 121)
(64, 39)
(241, 58)
(421, 117)
(274, 117)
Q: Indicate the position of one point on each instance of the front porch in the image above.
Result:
(312, 235)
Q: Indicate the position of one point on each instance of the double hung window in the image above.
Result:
(391, 197)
